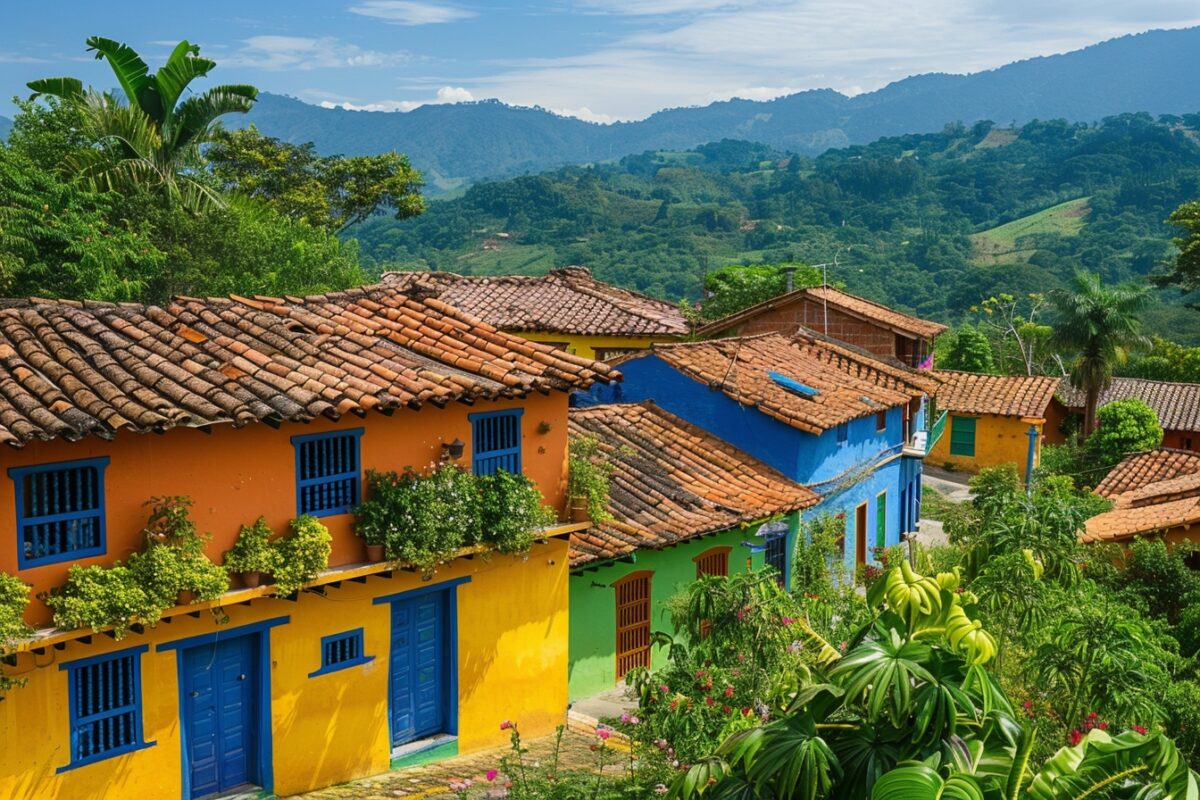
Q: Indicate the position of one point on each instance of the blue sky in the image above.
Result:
(596, 59)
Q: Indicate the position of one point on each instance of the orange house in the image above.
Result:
(272, 407)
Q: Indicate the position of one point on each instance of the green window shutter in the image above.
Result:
(881, 520)
(962, 436)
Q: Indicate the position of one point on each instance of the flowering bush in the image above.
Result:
(511, 511)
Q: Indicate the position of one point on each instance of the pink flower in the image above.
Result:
(505, 725)
(664, 688)
(787, 620)
(1139, 729)
(729, 691)
(634, 720)
(491, 774)
(1076, 737)
(602, 733)
(625, 718)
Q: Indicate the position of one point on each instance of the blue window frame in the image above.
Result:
(328, 475)
(60, 511)
(341, 651)
(777, 557)
(496, 441)
(105, 705)
(843, 432)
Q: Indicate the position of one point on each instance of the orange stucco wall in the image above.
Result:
(236, 475)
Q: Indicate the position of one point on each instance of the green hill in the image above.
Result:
(905, 216)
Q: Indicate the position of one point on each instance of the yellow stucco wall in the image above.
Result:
(998, 440)
(586, 345)
(512, 664)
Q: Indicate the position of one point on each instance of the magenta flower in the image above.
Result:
(602, 733)
(491, 774)
(505, 725)
(625, 718)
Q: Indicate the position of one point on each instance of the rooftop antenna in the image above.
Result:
(825, 285)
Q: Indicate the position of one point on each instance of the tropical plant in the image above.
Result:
(1186, 269)
(96, 597)
(1098, 325)
(301, 556)
(14, 599)
(164, 570)
(252, 550)
(1122, 427)
(152, 142)
(511, 511)
(588, 474)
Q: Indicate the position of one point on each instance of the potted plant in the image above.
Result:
(512, 511)
(587, 480)
(173, 568)
(252, 555)
(94, 597)
(299, 558)
(372, 518)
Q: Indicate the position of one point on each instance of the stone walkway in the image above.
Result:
(953, 487)
(432, 781)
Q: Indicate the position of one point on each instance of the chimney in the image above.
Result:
(790, 270)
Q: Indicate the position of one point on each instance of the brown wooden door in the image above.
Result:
(860, 534)
(633, 622)
(713, 562)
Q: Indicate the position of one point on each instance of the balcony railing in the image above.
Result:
(922, 441)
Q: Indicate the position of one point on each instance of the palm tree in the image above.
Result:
(153, 141)
(1100, 324)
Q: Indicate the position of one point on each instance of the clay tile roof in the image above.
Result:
(848, 383)
(69, 369)
(1152, 491)
(1006, 395)
(1177, 404)
(567, 300)
(673, 481)
(854, 305)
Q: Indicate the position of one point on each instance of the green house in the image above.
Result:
(684, 503)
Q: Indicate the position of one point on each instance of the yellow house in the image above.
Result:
(566, 308)
(275, 408)
(991, 420)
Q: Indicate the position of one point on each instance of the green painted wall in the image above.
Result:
(592, 660)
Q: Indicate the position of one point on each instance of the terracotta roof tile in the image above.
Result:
(843, 301)
(69, 369)
(1177, 404)
(567, 300)
(1140, 469)
(1006, 395)
(848, 383)
(673, 481)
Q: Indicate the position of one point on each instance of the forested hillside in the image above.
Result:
(931, 222)
(460, 143)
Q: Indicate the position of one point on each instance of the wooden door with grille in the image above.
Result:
(633, 622)
(713, 562)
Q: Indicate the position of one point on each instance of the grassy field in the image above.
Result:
(509, 259)
(1003, 244)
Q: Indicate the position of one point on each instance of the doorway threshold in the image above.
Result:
(424, 751)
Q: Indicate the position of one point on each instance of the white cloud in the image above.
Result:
(584, 113)
(446, 94)
(304, 53)
(410, 12)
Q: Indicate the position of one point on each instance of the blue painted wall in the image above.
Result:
(849, 473)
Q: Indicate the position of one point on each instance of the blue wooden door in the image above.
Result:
(418, 668)
(221, 715)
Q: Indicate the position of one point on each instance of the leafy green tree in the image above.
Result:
(331, 192)
(1098, 325)
(151, 142)
(733, 288)
(1165, 361)
(966, 349)
(1186, 269)
(1123, 427)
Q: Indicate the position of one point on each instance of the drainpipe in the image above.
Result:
(1033, 435)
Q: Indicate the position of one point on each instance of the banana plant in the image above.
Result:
(911, 712)
(153, 141)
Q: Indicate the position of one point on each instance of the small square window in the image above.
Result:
(60, 511)
(328, 476)
(105, 701)
(843, 432)
(341, 651)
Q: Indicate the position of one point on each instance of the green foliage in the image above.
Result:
(1186, 269)
(14, 598)
(327, 192)
(1164, 361)
(1123, 427)
(732, 288)
(511, 511)
(588, 474)
(301, 556)
(1069, 459)
(1182, 700)
(174, 559)
(252, 551)
(967, 349)
(95, 597)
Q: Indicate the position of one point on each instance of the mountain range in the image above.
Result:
(457, 144)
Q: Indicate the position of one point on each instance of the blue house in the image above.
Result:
(839, 420)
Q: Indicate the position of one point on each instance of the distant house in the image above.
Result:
(684, 503)
(566, 308)
(1176, 404)
(839, 315)
(842, 422)
(271, 407)
(1156, 493)
(992, 419)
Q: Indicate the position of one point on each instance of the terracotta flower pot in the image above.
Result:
(251, 579)
(578, 509)
(186, 597)
(375, 552)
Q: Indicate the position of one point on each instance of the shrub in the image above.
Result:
(511, 511)
(1123, 427)
(301, 556)
(967, 349)
(588, 476)
(14, 598)
(252, 552)
(94, 597)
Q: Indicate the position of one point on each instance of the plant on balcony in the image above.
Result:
(422, 520)
(252, 555)
(95, 597)
(174, 568)
(302, 556)
(511, 511)
(14, 598)
(588, 478)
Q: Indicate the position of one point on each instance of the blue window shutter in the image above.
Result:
(496, 442)
(105, 706)
(328, 472)
(341, 651)
(60, 511)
